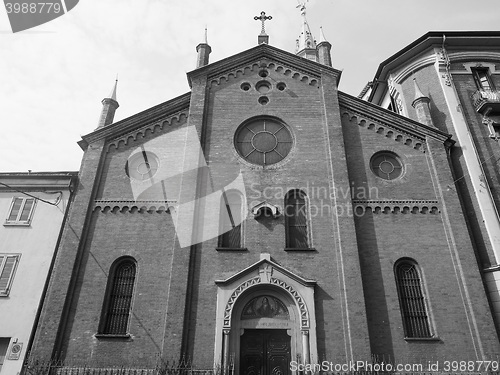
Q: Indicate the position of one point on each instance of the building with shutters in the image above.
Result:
(265, 220)
(33, 208)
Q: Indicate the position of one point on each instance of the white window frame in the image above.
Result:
(3, 262)
(17, 220)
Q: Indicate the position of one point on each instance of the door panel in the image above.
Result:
(265, 352)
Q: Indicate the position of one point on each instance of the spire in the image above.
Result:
(109, 106)
(421, 105)
(203, 50)
(324, 48)
(321, 35)
(418, 92)
(306, 45)
(112, 94)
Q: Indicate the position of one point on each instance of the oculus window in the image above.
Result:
(386, 165)
(263, 141)
(142, 166)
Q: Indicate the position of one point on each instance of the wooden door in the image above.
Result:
(265, 352)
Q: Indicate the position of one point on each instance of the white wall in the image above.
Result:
(36, 243)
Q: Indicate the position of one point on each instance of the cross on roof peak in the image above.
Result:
(263, 18)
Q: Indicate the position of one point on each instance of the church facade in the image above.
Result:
(262, 221)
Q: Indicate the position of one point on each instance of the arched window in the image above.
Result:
(118, 301)
(412, 299)
(230, 220)
(296, 220)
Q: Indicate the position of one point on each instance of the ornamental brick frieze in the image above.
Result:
(430, 207)
(141, 207)
(151, 128)
(386, 130)
(257, 66)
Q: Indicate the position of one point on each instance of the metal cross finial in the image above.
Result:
(263, 18)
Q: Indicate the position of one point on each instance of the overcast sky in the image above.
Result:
(53, 77)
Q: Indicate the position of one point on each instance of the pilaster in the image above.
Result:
(53, 323)
(345, 247)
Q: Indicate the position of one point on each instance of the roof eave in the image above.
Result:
(425, 42)
(130, 123)
(391, 118)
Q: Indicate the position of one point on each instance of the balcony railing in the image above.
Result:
(486, 101)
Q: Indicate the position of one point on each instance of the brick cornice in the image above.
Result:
(266, 54)
(409, 206)
(390, 119)
(141, 119)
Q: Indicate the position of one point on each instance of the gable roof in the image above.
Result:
(257, 265)
(262, 52)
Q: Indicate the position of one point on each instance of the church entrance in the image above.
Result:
(264, 321)
(265, 352)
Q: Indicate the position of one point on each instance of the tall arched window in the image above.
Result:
(412, 299)
(296, 220)
(230, 220)
(118, 301)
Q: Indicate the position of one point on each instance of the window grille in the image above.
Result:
(120, 298)
(296, 220)
(263, 141)
(412, 300)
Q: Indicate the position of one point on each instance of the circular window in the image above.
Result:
(386, 165)
(263, 100)
(263, 141)
(245, 86)
(281, 86)
(263, 87)
(142, 166)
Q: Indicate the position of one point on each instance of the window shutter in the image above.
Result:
(16, 206)
(21, 211)
(8, 263)
(4, 344)
(28, 205)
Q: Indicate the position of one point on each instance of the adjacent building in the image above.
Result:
(33, 207)
(449, 80)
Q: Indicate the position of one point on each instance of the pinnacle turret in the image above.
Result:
(421, 105)
(204, 51)
(324, 49)
(109, 106)
(305, 44)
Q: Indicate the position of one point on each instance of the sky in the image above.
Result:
(53, 77)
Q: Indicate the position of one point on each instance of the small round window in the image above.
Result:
(142, 166)
(386, 165)
(263, 141)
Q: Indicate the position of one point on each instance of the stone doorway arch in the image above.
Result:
(265, 279)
